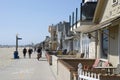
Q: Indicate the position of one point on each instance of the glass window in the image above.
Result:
(105, 43)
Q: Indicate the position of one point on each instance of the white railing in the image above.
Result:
(84, 75)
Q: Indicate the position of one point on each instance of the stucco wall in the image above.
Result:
(63, 72)
(54, 65)
(112, 10)
(113, 45)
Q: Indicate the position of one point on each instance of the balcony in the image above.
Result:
(86, 15)
(87, 10)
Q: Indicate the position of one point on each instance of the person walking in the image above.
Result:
(39, 53)
(24, 52)
(30, 52)
(34, 49)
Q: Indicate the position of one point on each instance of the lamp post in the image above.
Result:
(16, 52)
(17, 38)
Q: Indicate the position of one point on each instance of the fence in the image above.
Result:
(86, 75)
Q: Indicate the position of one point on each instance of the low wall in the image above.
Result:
(65, 67)
(63, 72)
(48, 55)
(55, 59)
(54, 65)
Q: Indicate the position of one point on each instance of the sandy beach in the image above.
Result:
(23, 68)
(7, 57)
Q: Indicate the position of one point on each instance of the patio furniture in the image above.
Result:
(100, 66)
(96, 63)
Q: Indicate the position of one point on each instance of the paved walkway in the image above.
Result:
(27, 69)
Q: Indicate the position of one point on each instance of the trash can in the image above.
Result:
(16, 55)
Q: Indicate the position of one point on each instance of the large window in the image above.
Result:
(105, 44)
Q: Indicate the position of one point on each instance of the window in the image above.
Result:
(105, 44)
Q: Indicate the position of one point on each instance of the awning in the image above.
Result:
(83, 28)
(96, 27)
(102, 25)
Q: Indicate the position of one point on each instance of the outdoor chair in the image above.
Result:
(99, 66)
(96, 63)
(91, 67)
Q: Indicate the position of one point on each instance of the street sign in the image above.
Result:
(19, 38)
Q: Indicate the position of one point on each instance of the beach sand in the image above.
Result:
(7, 56)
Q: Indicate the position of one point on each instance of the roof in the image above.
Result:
(99, 10)
(92, 28)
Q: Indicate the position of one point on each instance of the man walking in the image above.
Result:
(24, 52)
(30, 52)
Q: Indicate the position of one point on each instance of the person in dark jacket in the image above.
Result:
(39, 53)
(30, 52)
(24, 52)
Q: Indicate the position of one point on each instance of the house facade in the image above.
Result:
(53, 38)
(109, 30)
(86, 44)
(96, 34)
(61, 36)
(104, 33)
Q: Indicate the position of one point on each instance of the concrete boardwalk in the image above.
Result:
(27, 69)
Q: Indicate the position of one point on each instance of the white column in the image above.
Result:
(99, 45)
(119, 43)
(81, 47)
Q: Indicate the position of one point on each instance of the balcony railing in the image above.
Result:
(87, 10)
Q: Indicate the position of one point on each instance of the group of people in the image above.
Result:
(30, 51)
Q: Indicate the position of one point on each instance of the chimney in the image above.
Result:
(81, 11)
(76, 16)
(72, 19)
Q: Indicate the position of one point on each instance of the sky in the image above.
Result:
(30, 18)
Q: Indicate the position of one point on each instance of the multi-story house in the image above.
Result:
(107, 26)
(87, 45)
(64, 36)
(53, 37)
(46, 43)
(99, 36)
(106, 29)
